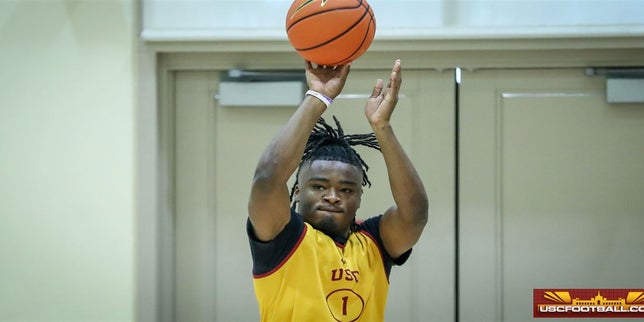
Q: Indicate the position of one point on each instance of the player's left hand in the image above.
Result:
(382, 102)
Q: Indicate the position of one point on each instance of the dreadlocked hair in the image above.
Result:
(327, 143)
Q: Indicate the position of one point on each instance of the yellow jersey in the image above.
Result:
(306, 275)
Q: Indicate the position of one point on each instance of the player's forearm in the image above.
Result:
(282, 156)
(406, 186)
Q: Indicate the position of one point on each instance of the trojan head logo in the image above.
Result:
(306, 4)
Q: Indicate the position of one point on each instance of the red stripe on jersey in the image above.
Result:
(299, 241)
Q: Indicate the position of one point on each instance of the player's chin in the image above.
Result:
(326, 222)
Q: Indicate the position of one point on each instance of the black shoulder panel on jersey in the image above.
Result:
(268, 256)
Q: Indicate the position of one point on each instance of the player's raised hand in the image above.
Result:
(327, 80)
(383, 100)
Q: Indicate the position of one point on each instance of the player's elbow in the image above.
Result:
(419, 211)
(272, 169)
(269, 173)
(264, 178)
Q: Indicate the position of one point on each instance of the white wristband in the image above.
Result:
(325, 99)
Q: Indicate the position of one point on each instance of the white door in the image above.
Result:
(551, 189)
(216, 149)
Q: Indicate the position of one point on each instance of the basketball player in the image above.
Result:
(311, 260)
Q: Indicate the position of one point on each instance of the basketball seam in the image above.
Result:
(360, 2)
(357, 48)
(342, 33)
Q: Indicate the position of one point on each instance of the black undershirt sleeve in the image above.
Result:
(269, 255)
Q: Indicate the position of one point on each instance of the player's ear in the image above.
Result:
(296, 193)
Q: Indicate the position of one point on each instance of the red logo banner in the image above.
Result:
(588, 303)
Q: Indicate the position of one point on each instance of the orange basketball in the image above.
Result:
(330, 32)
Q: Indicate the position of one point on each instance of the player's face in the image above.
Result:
(329, 194)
